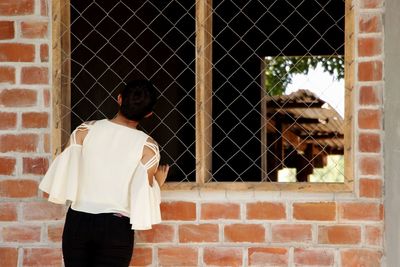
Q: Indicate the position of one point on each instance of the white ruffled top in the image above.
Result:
(105, 174)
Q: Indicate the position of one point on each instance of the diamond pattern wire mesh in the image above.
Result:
(112, 43)
(244, 34)
(255, 133)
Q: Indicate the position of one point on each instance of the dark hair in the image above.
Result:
(138, 99)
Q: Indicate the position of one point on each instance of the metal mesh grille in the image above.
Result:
(112, 43)
(258, 130)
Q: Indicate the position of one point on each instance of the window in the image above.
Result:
(113, 43)
(223, 70)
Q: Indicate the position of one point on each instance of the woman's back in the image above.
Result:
(110, 155)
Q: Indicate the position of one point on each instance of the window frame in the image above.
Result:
(61, 92)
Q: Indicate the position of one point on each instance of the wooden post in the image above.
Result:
(56, 78)
(203, 90)
(349, 88)
(264, 123)
(65, 71)
(60, 75)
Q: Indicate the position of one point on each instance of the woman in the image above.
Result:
(110, 174)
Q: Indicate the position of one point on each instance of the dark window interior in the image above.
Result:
(245, 32)
(113, 42)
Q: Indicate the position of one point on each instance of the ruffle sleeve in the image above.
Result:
(144, 201)
(61, 179)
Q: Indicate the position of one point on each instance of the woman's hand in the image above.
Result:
(161, 174)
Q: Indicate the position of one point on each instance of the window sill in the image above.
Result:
(345, 187)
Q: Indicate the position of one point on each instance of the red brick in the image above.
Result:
(35, 120)
(370, 166)
(17, 7)
(268, 257)
(361, 211)
(179, 210)
(46, 144)
(370, 71)
(7, 165)
(54, 232)
(34, 75)
(8, 257)
(142, 257)
(370, 95)
(7, 75)
(266, 211)
(44, 53)
(17, 52)
(7, 30)
(369, 119)
(8, 211)
(36, 166)
(177, 256)
(41, 211)
(18, 143)
(194, 233)
(373, 235)
(339, 234)
(8, 120)
(219, 256)
(18, 98)
(313, 257)
(244, 233)
(369, 142)
(371, 3)
(18, 188)
(213, 211)
(34, 29)
(370, 23)
(158, 234)
(368, 47)
(361, 257)
(44, 8)
(34, 257)
(371, 188)
(21, 234)
(283, 233)
(315, 211)
(46, 98)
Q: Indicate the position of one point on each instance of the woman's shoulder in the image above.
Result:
(80, 132)
(86, 125)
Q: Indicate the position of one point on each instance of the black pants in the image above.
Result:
(97, 240)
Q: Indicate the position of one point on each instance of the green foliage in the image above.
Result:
(280, 70)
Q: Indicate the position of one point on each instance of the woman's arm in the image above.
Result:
(158, 172)
(161, 174)
(78, 136)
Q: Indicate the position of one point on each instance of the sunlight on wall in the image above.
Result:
(287, 175)
(333, 172)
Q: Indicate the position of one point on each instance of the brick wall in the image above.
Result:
(218, 228)
(29, 227)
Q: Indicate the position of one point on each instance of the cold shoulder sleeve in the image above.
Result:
(145, 199)
(61, 179)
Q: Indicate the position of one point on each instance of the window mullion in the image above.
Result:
(61, 72)
(349, 87)
(203, 90)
